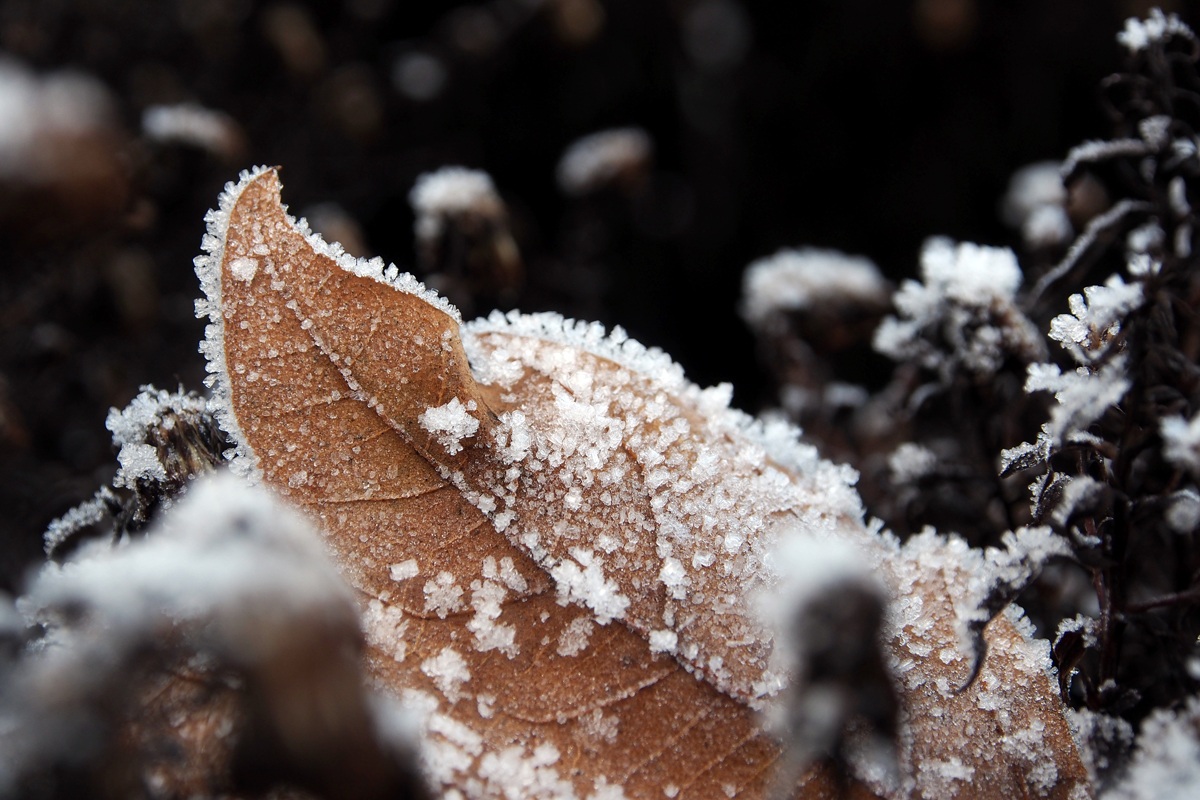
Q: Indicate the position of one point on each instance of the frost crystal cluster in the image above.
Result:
(962, 315)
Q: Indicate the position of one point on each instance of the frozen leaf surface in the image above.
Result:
(551, 528)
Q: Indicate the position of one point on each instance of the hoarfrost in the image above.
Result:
(138, 462)
(1140, 34)
(1166, 763)
(443, 595)
(244, 461)
(38, 112)
(1183, 515)
(581, 580)
(1025, 455)
(600, 158)
(574, 638)
(910, 462)
(448, 671)
(1083, 395)
(450, 192)
(228, 567)
(962, 314)
(89, 512)
(1181, 442)
(222, 543)
(404, 570)
(1079, 492)
(195, 125)
(450, 423)
(663, 641)
(148, 410)
(1095, 318)
(1035, 204)
(655, 483)
(516, 773)
(794, 280)
(1102, 150)
(808, 566)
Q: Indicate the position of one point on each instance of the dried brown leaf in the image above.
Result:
(550, 538)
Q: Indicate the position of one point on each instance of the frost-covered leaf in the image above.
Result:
(551, 528)
(1095, 318)
(1025, 455)
(1082, 395)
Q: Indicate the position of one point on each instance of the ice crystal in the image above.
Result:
(1095, 318)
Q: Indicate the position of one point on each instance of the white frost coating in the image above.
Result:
(149, 409)
(1183, 515)
(910, 462)
(1100, 150)
(1140, 34)
(86, 513)
(192, 124)
(243, 460)
(663, 641)
(443, 595)
(1166, 764)
(384, 627)
(1034, 203)
(450, 192)
(588, 336)
(581, 580)
(450, 423)
(138, 462)
(594, 161)
(793, 280)
(1181, 440)
(1095, 318)
(962, 314)
(448, 671)
(37, 110)
(1083, 395)
(223, 548)
(1029, 188)
(404, 570)
(244, 269)
(516, 773)
(574, 638)
(640, 462)
(486, 598)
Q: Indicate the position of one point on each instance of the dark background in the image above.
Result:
(864, 125)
